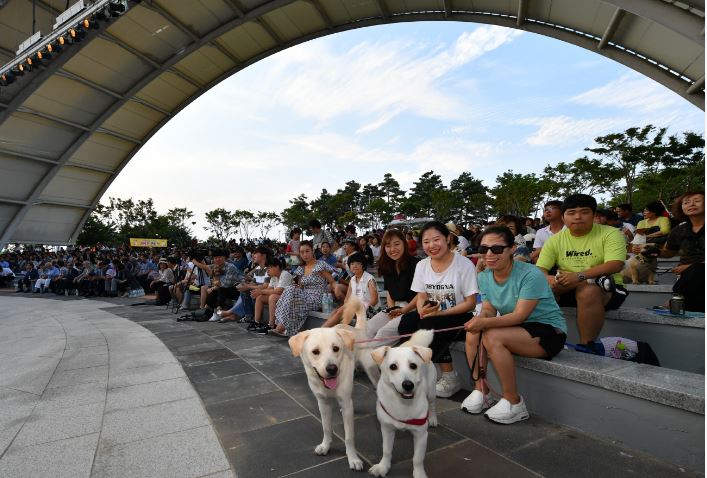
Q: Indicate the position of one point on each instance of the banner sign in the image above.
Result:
(137, 242)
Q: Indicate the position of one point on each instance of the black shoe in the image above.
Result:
(253, 326)
(262, 330)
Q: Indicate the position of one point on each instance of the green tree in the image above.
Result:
(245, 222)
(472, 199)
(420, 197)
(98, 228)
(623, 156)
(221, 224)
(390, 188)
(265, 221)
(298, 214)
(517, 194)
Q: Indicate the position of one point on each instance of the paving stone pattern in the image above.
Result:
(150, 406)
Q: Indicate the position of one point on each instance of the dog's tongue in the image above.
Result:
(331, 383)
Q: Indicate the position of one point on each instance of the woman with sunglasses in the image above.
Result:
(519, 316)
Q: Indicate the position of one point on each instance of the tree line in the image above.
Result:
(638, 165)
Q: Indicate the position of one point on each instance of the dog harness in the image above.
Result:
(412, 421)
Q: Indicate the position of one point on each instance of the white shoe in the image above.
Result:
(504, 412)
(448, 385)
(474, 403)
(215, 318)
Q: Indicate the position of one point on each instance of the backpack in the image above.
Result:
(201, 315)
(619, 348)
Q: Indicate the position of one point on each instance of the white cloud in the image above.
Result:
(563, 130)
(372, 81)
(630, 92)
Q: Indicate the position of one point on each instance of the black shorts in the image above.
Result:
(618, 296)
(552, 340)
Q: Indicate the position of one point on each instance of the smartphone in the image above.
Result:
(390, 309)
(431, 302)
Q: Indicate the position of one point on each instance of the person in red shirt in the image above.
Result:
(412, 244)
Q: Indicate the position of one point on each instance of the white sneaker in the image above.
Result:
(474, 403)
(448, 385)
(215, 318)
(504, 412)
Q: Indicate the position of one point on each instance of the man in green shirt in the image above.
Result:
(589, 258)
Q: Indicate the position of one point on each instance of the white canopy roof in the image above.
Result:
(69, 127)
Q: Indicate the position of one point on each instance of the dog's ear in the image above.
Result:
(297, 342)
(348, 337)
(380, 353)
(425, 353)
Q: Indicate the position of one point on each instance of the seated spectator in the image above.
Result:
(375, 244)
(319, 236)
(397, 267)
(280, 278)
(297, 301)
(463, 242)
(362, 285)
(522, 253)
(625, 213)
(224, 277)
(255, 278)
(343, 274)
(688, 241)
(292, 249)
(30, 278)
(529, 225)
(238, 258)
(446, 288)
(589, 258)
(365, 249)
(529, 323)
(412, 244)
(162, 283)
(553, 217)
(612, 219)
(43, 279)
(326, 254)
(655, 226)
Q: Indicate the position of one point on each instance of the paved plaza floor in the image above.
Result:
(112, 388)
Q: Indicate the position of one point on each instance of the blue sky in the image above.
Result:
(403, 99)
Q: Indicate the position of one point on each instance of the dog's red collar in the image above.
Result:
(412, 421)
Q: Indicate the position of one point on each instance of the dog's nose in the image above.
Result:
(332, 369)
(408, 385)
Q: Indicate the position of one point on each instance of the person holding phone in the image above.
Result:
(446, 287)
(397, 267)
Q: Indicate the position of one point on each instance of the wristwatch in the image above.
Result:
(581, 276)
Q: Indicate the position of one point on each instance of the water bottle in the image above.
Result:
(325, 304)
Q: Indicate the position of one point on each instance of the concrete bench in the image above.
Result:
(653, 409)
(644, 295)
(678, 342)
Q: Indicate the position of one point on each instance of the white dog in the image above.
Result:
(406, 398)
(329, 361)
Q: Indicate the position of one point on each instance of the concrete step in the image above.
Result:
(653, 409)
(646, 296)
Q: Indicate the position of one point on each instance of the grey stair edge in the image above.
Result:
(636, 314)
(656, 288)
(660, 392)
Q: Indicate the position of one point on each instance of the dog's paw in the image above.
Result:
(419, 474)
(432, 421)
(321, 449)
(356, 464)
(378, 470)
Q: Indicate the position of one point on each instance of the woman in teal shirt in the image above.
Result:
(519, 315)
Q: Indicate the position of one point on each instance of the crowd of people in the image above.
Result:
(504, 282)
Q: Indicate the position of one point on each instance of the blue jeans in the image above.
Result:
(248, 304)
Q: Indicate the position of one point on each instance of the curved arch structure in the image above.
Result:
(68, 128)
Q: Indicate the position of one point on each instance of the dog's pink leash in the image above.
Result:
(396, 337)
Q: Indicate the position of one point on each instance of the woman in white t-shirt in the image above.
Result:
(446, 288)
(279, 279)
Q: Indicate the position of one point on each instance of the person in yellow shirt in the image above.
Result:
(589, 258)
(655, 226)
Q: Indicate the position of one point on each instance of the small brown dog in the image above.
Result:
(642, 267)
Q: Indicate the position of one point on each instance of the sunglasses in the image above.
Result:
(494, 249)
